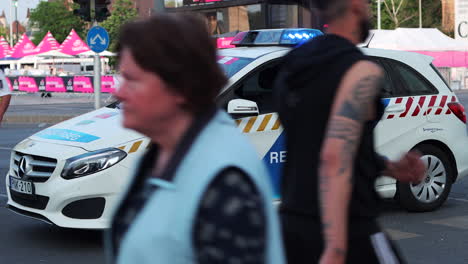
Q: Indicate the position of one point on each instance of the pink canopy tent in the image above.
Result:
(4, 48)
(3, 52)
(447, 52)
(48, 43)
(73, 44)
(23, 48)
(447, 58)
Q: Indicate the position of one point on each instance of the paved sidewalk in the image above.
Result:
(32, 108)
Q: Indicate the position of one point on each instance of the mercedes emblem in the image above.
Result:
(24, 166)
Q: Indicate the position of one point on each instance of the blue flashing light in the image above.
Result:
(286, 37)
(298, 36)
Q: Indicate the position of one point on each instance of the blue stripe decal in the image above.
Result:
(66, 135)
(275, 159)
(385, 102)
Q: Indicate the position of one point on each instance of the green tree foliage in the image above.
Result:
(4, 32)
(122, 12)
(405, 13)
(57, 18)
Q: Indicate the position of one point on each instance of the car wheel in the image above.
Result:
(434, 189)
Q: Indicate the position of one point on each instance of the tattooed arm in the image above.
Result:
(353, 105)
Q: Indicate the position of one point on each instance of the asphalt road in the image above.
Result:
(435, 237)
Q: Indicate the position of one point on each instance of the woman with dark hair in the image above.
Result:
(200, 194)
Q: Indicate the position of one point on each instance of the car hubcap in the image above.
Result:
(430, 189)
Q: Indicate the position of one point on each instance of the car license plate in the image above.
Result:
(21, 186)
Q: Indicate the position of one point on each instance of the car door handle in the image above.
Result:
(395, 109)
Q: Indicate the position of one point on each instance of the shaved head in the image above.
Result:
(332, 9)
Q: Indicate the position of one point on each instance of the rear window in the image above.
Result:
(441, 77)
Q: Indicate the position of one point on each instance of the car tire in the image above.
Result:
(432, 192)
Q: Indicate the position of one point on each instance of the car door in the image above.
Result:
(264, 129)
(406, 110)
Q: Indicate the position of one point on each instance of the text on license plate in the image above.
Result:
(21, 186)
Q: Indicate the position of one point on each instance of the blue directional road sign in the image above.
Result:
(97, 39)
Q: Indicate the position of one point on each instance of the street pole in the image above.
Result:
(16, 19)
(379, 17)
(420, 14)
(97, 64)
(11, 22)
(97, 81)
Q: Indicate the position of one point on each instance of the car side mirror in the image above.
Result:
(242, 107)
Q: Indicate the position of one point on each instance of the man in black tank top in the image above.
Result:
(329, 103)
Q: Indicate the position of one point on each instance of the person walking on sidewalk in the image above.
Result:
(329, 103)
(5, 95)
(200, 194)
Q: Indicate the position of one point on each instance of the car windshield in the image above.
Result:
(232, 65)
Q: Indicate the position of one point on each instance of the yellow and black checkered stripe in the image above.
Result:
(134, 146)
(268, 122)
(259, 123)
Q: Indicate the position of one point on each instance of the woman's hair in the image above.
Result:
(179, 49)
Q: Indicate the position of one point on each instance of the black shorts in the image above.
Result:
(304, 245)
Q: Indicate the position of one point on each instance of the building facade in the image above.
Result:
(227, 17)
(461, 19)
(145, 7)
(3, 20)
(448, 15)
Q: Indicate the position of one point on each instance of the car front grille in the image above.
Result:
(39, 168)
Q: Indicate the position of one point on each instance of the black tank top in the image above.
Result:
(305, 91)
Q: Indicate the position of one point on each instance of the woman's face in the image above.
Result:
(148, 104)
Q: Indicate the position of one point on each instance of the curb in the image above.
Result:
(24, 119)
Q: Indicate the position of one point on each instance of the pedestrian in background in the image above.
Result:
(200, 194)
(5, 95)
(329, 103)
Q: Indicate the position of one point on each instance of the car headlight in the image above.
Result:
(92, 162)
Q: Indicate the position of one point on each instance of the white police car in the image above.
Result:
(72, 173)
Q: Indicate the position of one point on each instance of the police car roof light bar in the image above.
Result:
(298, 36)
(281, 37)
